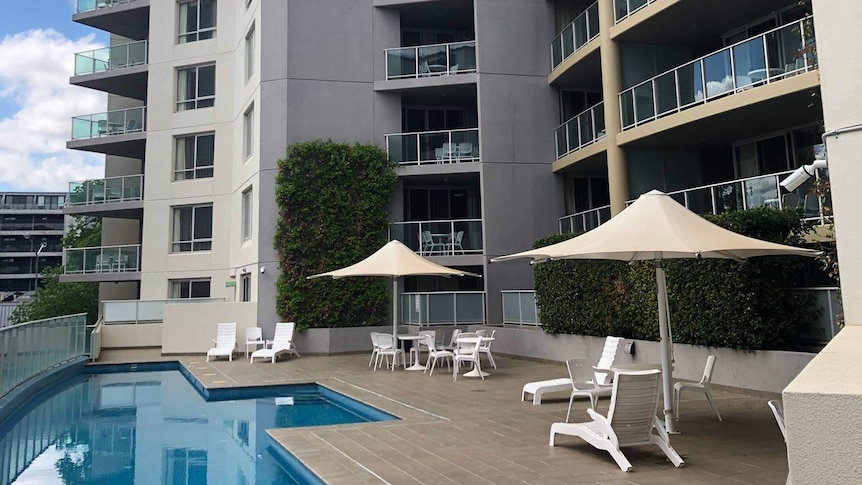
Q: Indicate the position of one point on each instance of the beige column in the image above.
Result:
(618, 176)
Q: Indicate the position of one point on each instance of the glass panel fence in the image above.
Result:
(110, 123)
(453, 146)
(585, 220)
(431, 60)
(585, 128)
(90, 5)
(114, 189)
(440, 238)
(771, 56)
(519, 307)
(28, 349)
(577, 34)
(114, 57)
(109, 259)
(444, 308)
(624, 8)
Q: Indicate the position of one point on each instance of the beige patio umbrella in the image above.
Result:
(656, 227)
(394, 260)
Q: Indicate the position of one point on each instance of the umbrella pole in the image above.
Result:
(667, 371)
(394, 308)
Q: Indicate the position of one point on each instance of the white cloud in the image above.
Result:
(35, 67)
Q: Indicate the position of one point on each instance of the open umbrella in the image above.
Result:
(394, 260)
(656, 227)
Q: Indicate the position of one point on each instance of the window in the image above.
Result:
(194, 156)
(197, 20)
(193, 228)
(245, 287)
(196, 87)
(246, 214)
(248, 132)
(249, 54)
(191, 288)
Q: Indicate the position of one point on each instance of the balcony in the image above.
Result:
(585, 220)
(583, 129)
(443, 308)
(109, 197)
(119, 69)
(440, 238)
(766, 59)
(427, 61)
(100, 264)
(434, 147)
(128, 18)
(121, 132)
(576, 35)
(625, 8)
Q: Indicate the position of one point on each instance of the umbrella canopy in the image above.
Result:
(656, 227)
(393, 260)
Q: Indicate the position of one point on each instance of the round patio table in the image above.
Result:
(468, 340)
(415, 341)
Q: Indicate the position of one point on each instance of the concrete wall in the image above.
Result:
(190, 329)
(130, 336)
(328, 341)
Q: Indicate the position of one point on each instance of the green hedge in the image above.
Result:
(721, 303)
(332, 200)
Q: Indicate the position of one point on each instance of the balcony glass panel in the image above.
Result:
(114, 57)
(443, 308)
(462, 57)
(644, 107)
(100, 191)
(718, 74)
(583, 129)
(440, 238)
(584, 28)
(690, 80)
(585, 220)
(107, 124)
(624, 8)
(90, 5)
(665, 87)
(453, 146)
(431, 60)
(108, 259)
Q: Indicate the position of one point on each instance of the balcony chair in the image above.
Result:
(438, 154)
(811, 207)
(778, 412)
(429, 245)
(281, 343)
(253, 338)
(455, 243)
(601, 375)
(790, 200)
(434, 353)
(424, 69)
(450, 151)
(454, 69)
(702, 387)
(631, 420)
(465, 149)
(225, 341)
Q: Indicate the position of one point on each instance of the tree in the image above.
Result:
(55, 299)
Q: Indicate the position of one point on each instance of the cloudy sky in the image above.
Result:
(37, 54)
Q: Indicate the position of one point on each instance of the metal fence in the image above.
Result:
(28, 349)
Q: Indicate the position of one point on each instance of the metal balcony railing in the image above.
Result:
(772, 56)
(585, 220)
(102, 260)
(440, 238)
(90, 5)
(583, 129)
(106, 191)
(577, 34)
(109, 58)
(444, 308)
(447, 146)
(624, 8)
(120, 122)
(431, 60)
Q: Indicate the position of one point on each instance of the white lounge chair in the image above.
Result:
(582, 377)
(778, 412)
(225, 342)
(702, 386)
(631, 419)
(602, 374)
(281, 343)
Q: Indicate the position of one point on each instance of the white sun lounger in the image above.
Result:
(282, 343)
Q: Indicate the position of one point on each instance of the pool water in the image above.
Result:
(155, 427)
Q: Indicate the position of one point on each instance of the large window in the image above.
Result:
(247, 204)
(196, 87)
(197, 20)
(245, 287)
(193, 228)
(249, 54)
(190, 288)
(248, 132)
(194, 156)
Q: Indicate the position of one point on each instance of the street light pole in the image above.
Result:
(38, 252)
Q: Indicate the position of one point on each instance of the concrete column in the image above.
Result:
(618, 177)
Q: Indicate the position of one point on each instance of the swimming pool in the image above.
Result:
(156, 426)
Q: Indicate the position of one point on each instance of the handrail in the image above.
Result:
(673, 91)
(416, 308)
(437, 146)
(453, 63)
(585, 128)
(104, 191)
(118, 56)
(586, 24)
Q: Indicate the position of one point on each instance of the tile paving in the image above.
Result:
(478, 432)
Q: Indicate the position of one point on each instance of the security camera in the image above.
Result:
(262, 269)
(801, 174)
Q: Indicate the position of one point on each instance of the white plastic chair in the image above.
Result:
(485, 348)
(467, 352)
(631, 419)
(225, 342)
(374, 347)
(465, 149)
(281, 343)
(434, 353)
(581, 376)
(778, 412)
(450, 151)
(453, 342)
(455, 243)
(429, 245)
(253, 337)
(422, 345)
(385, 348)
(702, 387)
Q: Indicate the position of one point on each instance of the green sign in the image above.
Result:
(230, 284)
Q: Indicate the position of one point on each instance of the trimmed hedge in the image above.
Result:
(332, 200)
(720, 303)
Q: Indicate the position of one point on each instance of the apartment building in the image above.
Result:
(32, 225)
(205, 96)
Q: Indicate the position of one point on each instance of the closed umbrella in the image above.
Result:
(656, 227)
(394, 260)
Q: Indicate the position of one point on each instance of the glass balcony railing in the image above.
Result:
(143, 311)
(108, 58)
(452, 146)
(624, 8)
(106, 191)
(519, 307)
(119, 122)
(577, 34)
(450, 308)
(431, 60)
(108, 259)
(768, 57)
(90, 5)
(440, 238)
(585, 220)
(582, 130)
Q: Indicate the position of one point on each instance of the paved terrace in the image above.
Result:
(475, 432)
